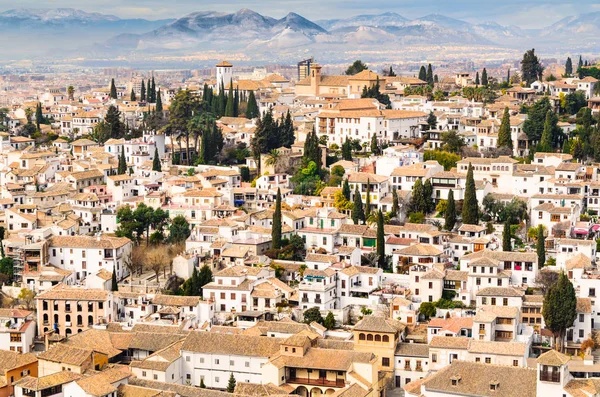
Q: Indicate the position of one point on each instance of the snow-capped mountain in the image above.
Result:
(385, 19)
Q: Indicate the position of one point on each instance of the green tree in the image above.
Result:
(143, 92)
(535, 123)
(156, 166)
(417, 199)
(329, 321)
(231, 384)
(531, 68)
(423, 74)
(346, 189)
(347, 150)
(113, 89)
(374, 145)
(477, 82)
(450, 213)
(568, 67)
(122, 167)
(484, 78)
(368, 200)
(276, 228)
(504, 134)
(132, 96)
(506, 237)
(453, 142)
(431, 121)
(428, 197)
(429, 75)
(427, 309)
(356, 67)
(545, 144)
(179, 230)
(470, 210)
(183, 108)
(252, 106)
(114, 285)
(395, 203)
(230, 101)
(204, 277)
(190, 286)
(71, 92)
(159, 105)
(113, 121)
(313, 315)
(358, 213)
(100, 133)
(380, 241)
(7, 267)
(541, 247)
(312, 151)
(560, 308)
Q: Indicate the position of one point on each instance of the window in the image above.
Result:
(477, 359)
(217, 361)
(581, 317)
(247, 364)
(504, 301)
(187, 358)
(155, 377)
(143, 373)
(434, 358)
(385, 361)
(231, 362)
(515, 363)
(488, 360)
(484, 301)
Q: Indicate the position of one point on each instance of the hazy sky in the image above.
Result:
(526, 14)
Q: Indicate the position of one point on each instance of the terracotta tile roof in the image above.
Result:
(175, 300)
(48, 381)
(379, 324)
(162, 359)
(454, 324)
(419, 250)
(449, 342)
(12, 360)
(102, 242)
(242, 345)
(412, 349)
(152, 341)
(64, 292)
(100, 384)
(501, 291)
(500, 348)
(315, 358)
(584, 305)
(64, 354)
(553, 358)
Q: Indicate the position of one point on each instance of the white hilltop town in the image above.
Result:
(365, 230)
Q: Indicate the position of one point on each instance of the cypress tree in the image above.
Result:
(357, 210)
(252, 107)
(222, 100)
(541, 247)
(568, 67)
(230, 99)
(417, 199)
(580, 63)
(289, 136)
(429, 75)
(374, 145)
(504, 135)
(368, 200)
(545, 144)
(132, 95)
(470, 211)
(39, 117)
(156, 161)
(114, 285)
(395, 204)
(347, 150)
(236, 103)
(153, 91)
(380, 241)
(346, 189)
(113, 89)
(231, 384)
(204, 277)
(450, 215)
(508, 76)
(428, 196)
(484, 78)
(560, 308)
(312, 151)
(143, 91)
(477, 78)
(159, 105)
(506, 240)
(122, 167)
(423, 74)
(276, 229)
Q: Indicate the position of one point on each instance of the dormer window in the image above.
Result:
(494, 385)
(455, 380)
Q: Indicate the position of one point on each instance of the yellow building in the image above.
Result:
(380, 336)
(13, 367)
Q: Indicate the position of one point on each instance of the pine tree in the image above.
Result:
(276, 228)
(346, 189)
(506, 238)
(230, 99)
(113, 89)
(423, 74)
(504, 134)
(429, 75)
(252, 106)
(114, 285)
(143, 91)
(541, 247)
(484, 78)
(395, 204)
(156, 166)
(477, 78)
(159, 105)
(545, 144)
(231, 384)
(132, 96)
(122, 167)
(381, 263)
(470, 211)
(368, 200)
(450, 214)
(569, 67)
(357, 210)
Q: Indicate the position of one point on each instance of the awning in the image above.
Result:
(595, 227)
(580, 231)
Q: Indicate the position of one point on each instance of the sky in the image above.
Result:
(529, 14)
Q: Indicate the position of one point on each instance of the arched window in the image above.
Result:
(370, 337)
(68, 318)
(68, 331)
(45, 318)
(377, 338)
(79, 321)
(45, 329)
(56, 319)
(386, 338)
(90, 321)
(361, 337)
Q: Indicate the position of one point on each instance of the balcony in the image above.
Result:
(304, 300)
(550, 377)
(317, 300)
(318, 382)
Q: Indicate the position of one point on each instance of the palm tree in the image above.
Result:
(273, 158)
(71, 92)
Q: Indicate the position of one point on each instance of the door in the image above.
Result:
(398, 381)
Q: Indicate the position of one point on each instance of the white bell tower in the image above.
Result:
(224, 74)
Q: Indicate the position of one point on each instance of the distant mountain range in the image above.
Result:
(65, 32)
